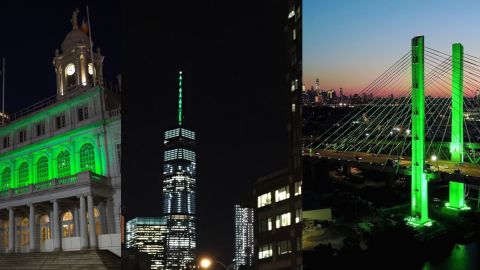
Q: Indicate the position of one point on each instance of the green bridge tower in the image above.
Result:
(419, 206)
(456, 192)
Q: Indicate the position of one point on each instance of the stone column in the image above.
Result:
(91, 222)
(31, 221)
(57, 237)
(76, 223)
(110, 217)
(51, 224)
(11, 230)
(83, 223)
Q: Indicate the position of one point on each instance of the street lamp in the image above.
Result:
(206, 263)
(434, 159)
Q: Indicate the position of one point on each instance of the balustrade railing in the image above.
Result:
(83, 177)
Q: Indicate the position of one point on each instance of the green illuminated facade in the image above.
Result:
(419, 206)
(60, 161)
(42, 158)
(456, 192)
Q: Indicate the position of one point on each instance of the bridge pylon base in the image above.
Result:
(418, 223)
(458, 209)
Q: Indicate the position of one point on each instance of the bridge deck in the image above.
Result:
(443, 166)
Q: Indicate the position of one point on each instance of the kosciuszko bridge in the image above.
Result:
(425, 110)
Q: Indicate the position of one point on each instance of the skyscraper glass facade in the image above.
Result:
(147, 234)
(243, 237)
(179, 173)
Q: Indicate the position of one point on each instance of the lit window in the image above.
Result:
(6, 178)
(23, 173)
(265, 251)
(298, 188)
(87, 157)
(284, 247)
(283, 220)
(264, 199)
(63, 164)
(293, 107)
(282, 194)
(67, 225)
(294, 34)
(298, 215)
(42, 169)
(265, 224)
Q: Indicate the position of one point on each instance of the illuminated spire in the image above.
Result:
(180, 117)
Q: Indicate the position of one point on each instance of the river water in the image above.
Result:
(462, 257)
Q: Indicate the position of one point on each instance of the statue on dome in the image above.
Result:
(74, 19)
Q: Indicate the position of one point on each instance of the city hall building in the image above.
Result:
(60, 160)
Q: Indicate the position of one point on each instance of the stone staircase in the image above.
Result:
(69, 260)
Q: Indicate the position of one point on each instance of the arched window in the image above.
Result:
(67, 225)
(87, 157)
(6, 177)
(23, 232)
(4, 232)
(63, 161)
(42, 169)
(45, 228)
(23, 173)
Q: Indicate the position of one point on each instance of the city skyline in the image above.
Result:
(227, 67)
(355, 49)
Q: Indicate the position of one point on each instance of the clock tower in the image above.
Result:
(73, 64)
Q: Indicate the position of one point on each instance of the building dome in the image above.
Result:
(74, 39)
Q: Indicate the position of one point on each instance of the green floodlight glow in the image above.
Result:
(464, 208)
(419, 206)
(417, 223)
(50, 148)
(180, 117)
(456, 189)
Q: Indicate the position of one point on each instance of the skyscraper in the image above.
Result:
(179, 190)
(243, 237)
(147, 234)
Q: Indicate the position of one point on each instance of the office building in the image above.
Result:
(243, 222)
(179, 193)
(147, 235)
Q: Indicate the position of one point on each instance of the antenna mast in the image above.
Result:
(180, 117)
(91, 47)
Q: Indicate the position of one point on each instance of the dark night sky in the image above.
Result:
(232, 56)
(32, 30)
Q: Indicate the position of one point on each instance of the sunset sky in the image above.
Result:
(348, 43)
